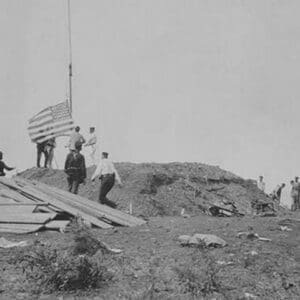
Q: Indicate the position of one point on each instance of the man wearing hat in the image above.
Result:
(92, 143)
(75, 168)
(107, 173)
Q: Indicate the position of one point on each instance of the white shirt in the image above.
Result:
(261, 185)
(106, 167)
(75, 137)
(92, 140)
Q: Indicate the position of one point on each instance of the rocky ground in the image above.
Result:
(165, 189)
(154, 265)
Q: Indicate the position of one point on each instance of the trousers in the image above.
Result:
(107, 183)
(41, 150)
(73, 184)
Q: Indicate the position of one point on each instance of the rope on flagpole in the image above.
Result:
(70, 55)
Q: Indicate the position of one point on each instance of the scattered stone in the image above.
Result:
(252, 236)
(224, 263)
(184, 239)
(250, 296)
(209, 240)
(285, 228)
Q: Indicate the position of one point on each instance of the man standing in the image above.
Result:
(294, 195)
(41, 148)
(74, 138)
(51, 144)
(75, 168)
(276, 195)
(3, 166)
(297, 197)
(92, 142)
(107, 173)
(260, 184)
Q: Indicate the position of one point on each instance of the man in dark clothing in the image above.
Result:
(3, 166)
(75, 169)
(41, 148)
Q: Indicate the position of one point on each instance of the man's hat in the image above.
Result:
(92, 128)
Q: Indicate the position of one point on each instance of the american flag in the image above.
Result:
(51, 122)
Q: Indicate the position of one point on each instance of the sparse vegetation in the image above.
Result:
(199, 277)
(79, 267)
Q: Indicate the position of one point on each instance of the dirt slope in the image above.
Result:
(164, 189)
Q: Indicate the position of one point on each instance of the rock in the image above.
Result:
(249, 296)
(184, 239)
(285, 228)
(209, 240)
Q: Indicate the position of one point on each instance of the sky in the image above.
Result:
(211, 81)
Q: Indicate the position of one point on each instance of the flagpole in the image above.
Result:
(70, 56)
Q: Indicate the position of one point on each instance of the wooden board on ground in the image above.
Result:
(101, 211)
(10, 194)
(25, 217)
(16, 209)
(20, 228)
(32, 192)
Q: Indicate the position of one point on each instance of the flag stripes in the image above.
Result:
(51, 122)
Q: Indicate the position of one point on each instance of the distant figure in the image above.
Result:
(107, 173)
(297, 188)
(74, 138)
(51, 144)
(3, 166)
(261, 184)
(75, 168)
(276, 194)
(294, 195)
(92, 142)
(41, 148)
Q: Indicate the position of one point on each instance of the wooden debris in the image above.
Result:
(101, 211)
(20, 228)
(28, 206)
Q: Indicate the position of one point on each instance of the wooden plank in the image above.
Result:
(6, 201)
(93, 208)
(16, 209)
(102, 211)
(41, 196)
(4, 192)
(25, 216)
(20, 228)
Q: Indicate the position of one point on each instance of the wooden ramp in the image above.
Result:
(53, 200)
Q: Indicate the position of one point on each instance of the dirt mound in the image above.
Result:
(165, 189)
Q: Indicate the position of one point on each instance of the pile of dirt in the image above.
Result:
(165, 189)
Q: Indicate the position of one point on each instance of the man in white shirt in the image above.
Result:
(260, 184)
(107, 173)
(74, 138)
(92, 143)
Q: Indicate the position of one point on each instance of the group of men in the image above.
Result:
(47, 149)
(276, 193)
(75, 166)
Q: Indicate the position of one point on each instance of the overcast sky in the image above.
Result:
(195, 80)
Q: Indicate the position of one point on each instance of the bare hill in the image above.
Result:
(164, 189)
